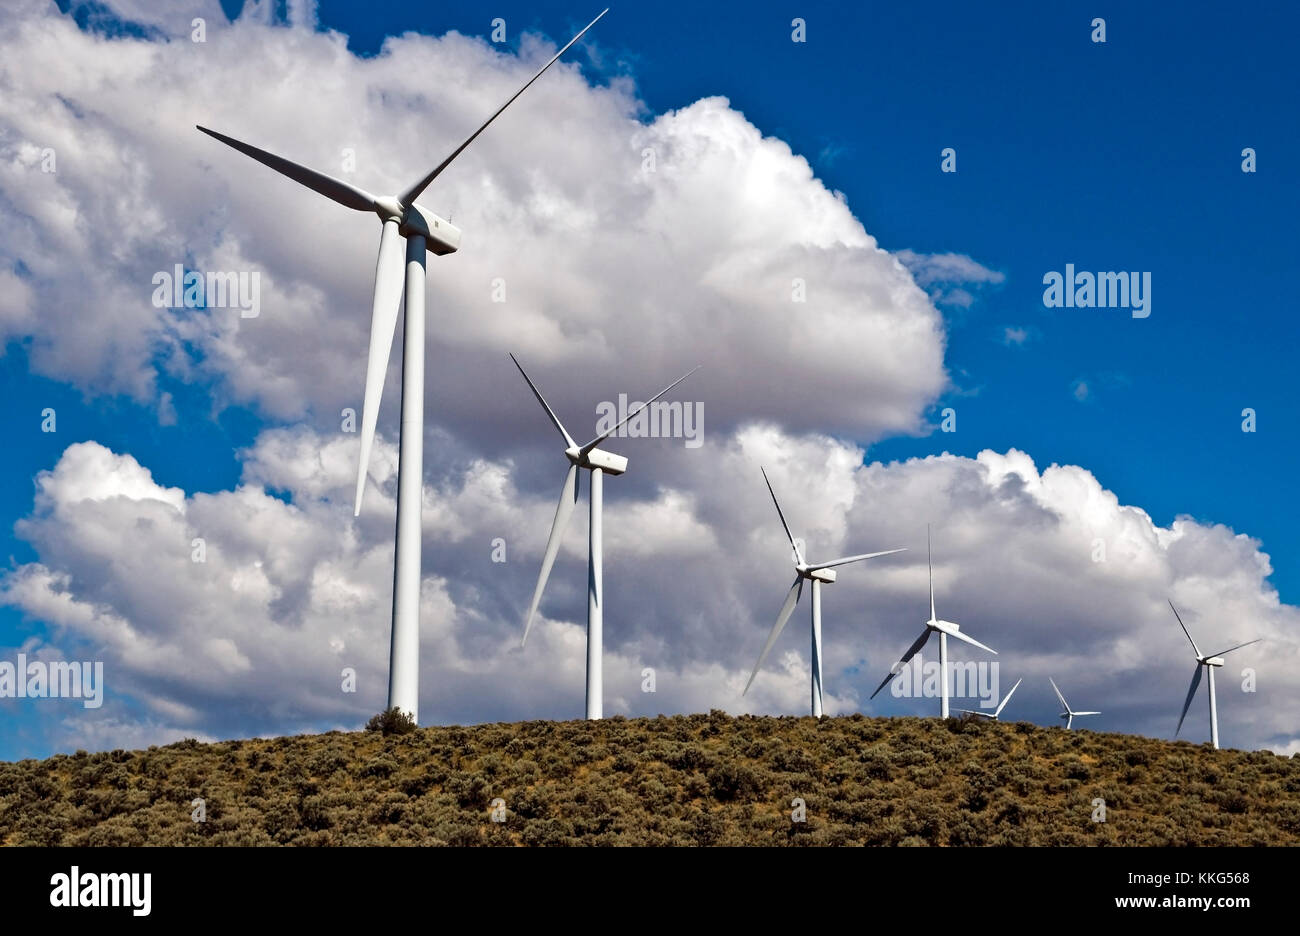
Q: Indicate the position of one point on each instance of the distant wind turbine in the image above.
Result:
(423, 231)
(817, 573)
(993, 716)
(1209, 663)
(1068, 715)
(945, 629)
(599, 463)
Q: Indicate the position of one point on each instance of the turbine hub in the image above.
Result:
(817, 575)
(607, 462)
(389, 208)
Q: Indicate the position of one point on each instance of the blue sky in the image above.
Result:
(1117, 156)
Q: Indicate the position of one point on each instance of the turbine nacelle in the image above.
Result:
(1213, 661)
(441, 237)
(826, 576)
(945, 627)
(607, 462)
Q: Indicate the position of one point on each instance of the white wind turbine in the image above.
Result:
(599, 463)
(945, 629)
(1068, 714)
(993, 716)
(423, 231)
(1209, 663)
(817, 573)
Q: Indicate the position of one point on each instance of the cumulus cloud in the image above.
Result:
(719, 246)
(1048, 567)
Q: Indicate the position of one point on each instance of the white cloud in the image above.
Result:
(1015, 336)
(947, 268)
(613, 273)
(947, 276)
(254, 640)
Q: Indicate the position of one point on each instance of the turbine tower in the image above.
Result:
(1209, 663)
(424, 231)
(993, 716)
(1068, 715)
(945, 629)
(599, 463)
(817, 573)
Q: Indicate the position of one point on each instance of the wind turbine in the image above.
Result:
(1068, 715)
(1209, 662)
(423, 231)
(599, 463)
(993, 716)
(817, 573)
(945, 629)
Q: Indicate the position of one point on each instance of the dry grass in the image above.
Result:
(686, 780)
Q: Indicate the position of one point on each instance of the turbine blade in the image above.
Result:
(1238, 647)
(389, 280)
(793, 545)
(911, 652)
(1069, 721)
(546, 406)
(1191, 693)
(847, 559)
(335, 189)
(999, 709)
(971, 640)
(1077, 714)
(1199, 655)
(414, 191)
(791, 599)
(1064, 704)
(930, 563)
(563, 510)
(632, 415)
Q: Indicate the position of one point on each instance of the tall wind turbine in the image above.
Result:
(1209, 663)
(817, 573)
(599, 463)
(1068, 714)
(993, 716)
(423, 231)
(945, 629)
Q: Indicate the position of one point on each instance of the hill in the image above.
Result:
(684, 780)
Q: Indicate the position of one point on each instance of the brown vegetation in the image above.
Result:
(685, 780)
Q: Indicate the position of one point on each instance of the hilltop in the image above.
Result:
(683, 780)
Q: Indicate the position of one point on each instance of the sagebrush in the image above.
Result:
(684, 780)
